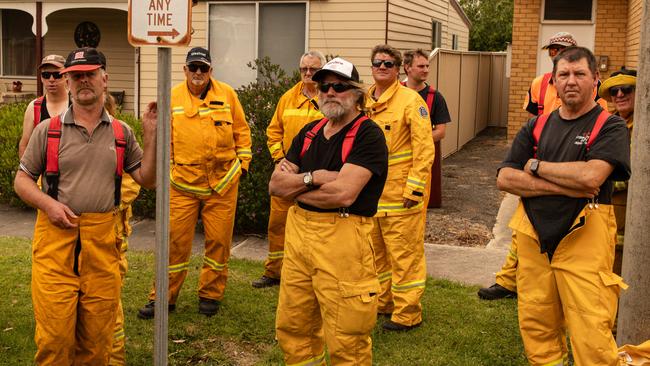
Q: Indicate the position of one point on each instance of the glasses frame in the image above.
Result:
(195, 67)
(55, 74)
(313, 70)
(388, 63)
(338, 87)
(625, 89)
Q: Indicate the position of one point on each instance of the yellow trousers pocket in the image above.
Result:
(357, 308)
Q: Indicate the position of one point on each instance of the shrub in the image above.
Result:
(259, 100)
(11, 128)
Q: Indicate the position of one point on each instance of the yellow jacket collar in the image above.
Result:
(213, 94)
(381, 104)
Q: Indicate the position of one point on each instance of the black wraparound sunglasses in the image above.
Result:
(55, 74)
(203, 67)
(338, 87)
(625, 89)
(387, 63)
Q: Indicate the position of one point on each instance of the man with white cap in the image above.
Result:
(82, 155)
(210, 151)
(53, 102)
(335, 169)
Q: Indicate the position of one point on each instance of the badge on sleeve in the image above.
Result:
(423, 112)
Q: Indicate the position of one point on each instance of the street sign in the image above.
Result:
(160, 22)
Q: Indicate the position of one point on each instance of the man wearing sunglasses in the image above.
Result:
(81, 154)
(210, 151)
(620, 89)
(397, 233)
(297, 107)
(53, 102)
(335, 170)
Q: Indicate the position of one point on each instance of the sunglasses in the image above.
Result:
(203, 67)
(625, 89)
(55, 74)
(303, 70)
(387, 63)
(338, 87)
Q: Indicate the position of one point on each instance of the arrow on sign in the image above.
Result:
(173, 33)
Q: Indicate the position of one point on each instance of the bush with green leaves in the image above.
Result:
(259, 100)
(11, 128)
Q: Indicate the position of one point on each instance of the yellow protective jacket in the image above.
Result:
(403, 116)
(130, 190)
(293, 112)
(211, 141)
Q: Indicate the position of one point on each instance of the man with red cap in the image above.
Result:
(82, 154)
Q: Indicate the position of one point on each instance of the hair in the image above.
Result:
(389, 50)
(575, 54)
(410, 55)
(109, 103)
(314, 53)
(624, 71)
(361, 98)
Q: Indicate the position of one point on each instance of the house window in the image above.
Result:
(568, 10)
(436, 34)
(454, 41)
(240, 33)
(18, 44)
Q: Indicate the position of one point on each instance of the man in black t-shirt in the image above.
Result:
(564, 227)
(329, 284)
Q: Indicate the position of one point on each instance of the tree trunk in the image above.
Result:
(634, 312)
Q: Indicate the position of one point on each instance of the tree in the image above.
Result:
(491, 23)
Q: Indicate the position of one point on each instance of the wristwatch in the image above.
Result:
(308, 179)
(534, 166)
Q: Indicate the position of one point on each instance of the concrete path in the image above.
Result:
(473, 266)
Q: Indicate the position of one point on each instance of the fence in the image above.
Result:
(475, 87)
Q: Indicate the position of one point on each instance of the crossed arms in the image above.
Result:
(332, 189)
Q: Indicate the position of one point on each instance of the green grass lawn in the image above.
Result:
(458, 329)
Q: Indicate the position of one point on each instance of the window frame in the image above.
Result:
(2, 64)
(543, 20)
(257, 18)
(454, 41)
(436, 34)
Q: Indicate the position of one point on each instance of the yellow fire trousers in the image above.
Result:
(277, 222)
(507, 276)
(123, 230)
(218, 216)
(328, 293)
(401, 266)
(75, 290)
(576, 291)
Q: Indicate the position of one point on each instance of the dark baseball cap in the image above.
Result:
(198, 54)
(84, 59)
(340, 67)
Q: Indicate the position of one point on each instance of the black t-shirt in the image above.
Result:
(564, 141)
(368, 150)
(440, 113)
(44, 112)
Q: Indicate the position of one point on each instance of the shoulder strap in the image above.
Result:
(537, 130)
(403, 83)
(38, 102)
(431, 98)
(542, 93)
(120, 147)
(309, 136)
(349, 138)
(52, 157)
(600, 122)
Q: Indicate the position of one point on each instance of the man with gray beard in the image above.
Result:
(335, 170)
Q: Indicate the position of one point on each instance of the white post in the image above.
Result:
(162, 206)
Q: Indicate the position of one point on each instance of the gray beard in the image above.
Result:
(333, 111)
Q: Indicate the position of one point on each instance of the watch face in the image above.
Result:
(306, 178)
(87, 35)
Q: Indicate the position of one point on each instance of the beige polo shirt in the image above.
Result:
(87, 162)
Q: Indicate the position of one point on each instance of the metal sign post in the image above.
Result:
(161, 23)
